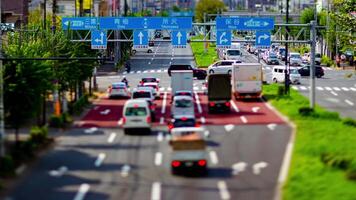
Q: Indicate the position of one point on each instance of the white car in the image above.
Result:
(136, 116)
(232, 54)
(144, 50)
(145, 93)
(278, 75)
(155, 88)
(119, 89)
(182, 106)
(222, 67)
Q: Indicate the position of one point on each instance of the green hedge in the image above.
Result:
(78, 106)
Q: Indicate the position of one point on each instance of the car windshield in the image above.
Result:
(272, 56)
(294, 71)
(141, 94)
(295, 56)
(233, 52)
(317, 55)
(136, 111)
(183, 103)
(184, 123)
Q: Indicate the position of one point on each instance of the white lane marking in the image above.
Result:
(149, 63)
(152, 71)
(229, 127)
(170, 62)
(320, 88)
(138, 72)
(334, 93)
(156, 191)
(145, 71)
(202, 119)
(198, 102)
(111, 137)
(105, 112)
(20, 169)
(353, 89)
(328, 88)
(91, 130)
(207, 133)
(158, 158)
(336, 89)
(96, 107)
(234, 106)
(164, 103)
(171, 58)
(258, 167)
(83, 190)
(120, 122)
(160, 137)
(159, 71)
(168, 137)
(124, 73)
(195, 88)
(166, 70)
(345, 89)
(161, 89)
(100, 159)
(333, 100)
(213, 157)
(255, 109)
(152, 58)
(272, 126)
(295, 87)
(238, 167)
(169, 89)
(302, 87)
(224, 193)
(243, 119)
(161, 120)
(349, 102)
(58, 173)
(125, 170)
(132, 72)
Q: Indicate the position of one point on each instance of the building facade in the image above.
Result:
(15, 11)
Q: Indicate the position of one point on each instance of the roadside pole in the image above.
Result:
(205, 44)
(2, 116)
(312, 66)
(286, 72)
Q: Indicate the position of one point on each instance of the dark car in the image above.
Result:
(272, 59)
(198, 73)
(151, 43)
(305, 71)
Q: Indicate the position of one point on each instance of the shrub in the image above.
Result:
(78, 106)
(337, 161)
(56, 121)
(349, 122)
(39, 135)
(66, 118)
(280, 90)
(7, 166)
(327, 61)
(306, 111)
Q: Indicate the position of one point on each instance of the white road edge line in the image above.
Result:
(234, 106)
(349, 102)
(83, 190)
(158, 158)
(164, 103)
(111, 137)
(156, 191)
(100, 159)
(198, 102)
(243, 119)
(224, 193)
(213, 157)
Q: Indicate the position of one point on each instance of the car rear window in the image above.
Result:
(183, 103)
(149, 80)
(183, 94)
(184, 123)
(141, 94)
(138, 111)
(180, 67)
(118, 87)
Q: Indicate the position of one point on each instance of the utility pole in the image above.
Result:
(2, 116)
(205, 44)
(286, 72)
(44, 14)
(312, 65)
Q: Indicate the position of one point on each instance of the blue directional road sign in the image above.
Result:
(179, 39)
(140, 39)
(131, 23)
(244, 23)
(263, 38)
(223, 39)
(98, 39)
(79, 23)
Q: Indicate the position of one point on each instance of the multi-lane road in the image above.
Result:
(95, 160)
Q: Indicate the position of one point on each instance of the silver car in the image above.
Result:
(182, 106)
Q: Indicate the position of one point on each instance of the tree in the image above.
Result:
(175, 8)
(208, 7)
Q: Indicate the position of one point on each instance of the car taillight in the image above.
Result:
(197, 125)
(176, 163)
(227, 104)
(152, 107)
(212, 104)
(123, 120)
(202, 163)
(148, 119)
(170, 126)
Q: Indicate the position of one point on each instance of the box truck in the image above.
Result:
(181, 80)
(219, 92)
(246, 80)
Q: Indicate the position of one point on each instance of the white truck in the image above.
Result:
(181, 80)
(246, 80)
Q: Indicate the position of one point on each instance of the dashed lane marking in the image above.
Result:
(83, 190)
(243, 119)
(224, 193)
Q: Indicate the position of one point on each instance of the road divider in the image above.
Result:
(100, 159)
(224, 192)
(83, 190)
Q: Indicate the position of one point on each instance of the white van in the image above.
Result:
(233, 54)
(136, 117)
(278, 75)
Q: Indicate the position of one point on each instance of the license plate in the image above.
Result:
(188, 164)
(136, 120)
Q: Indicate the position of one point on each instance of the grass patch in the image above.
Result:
(324, 156)
(202, 59)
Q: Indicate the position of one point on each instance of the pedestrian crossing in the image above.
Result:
(319, 88)
(270, 68)
(195, 88)
(151, 71)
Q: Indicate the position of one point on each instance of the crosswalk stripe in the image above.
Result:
(320, 88)
(345, 89)
(336, 89)
(353, 89)
(303, 88)
(328, 88)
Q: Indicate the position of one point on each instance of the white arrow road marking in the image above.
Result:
(213, 157)
(90, 130)
(238, 167)
(125, 170)
(258, 167)
(243, 119)
(234, 106)
(111, 137)
(334, 93)
(100, 159)
(105, 112)
(224, 193)
(83, 190)
(229, 127)
(198, 102)
(160, 137)
(255, 109)
(163, 110)
(60, 172)
(156, 191)
(272, 126)
(349, 102)
(158, 158)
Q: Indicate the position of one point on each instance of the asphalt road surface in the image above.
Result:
(95, 160)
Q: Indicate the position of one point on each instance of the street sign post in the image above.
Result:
(244, 23)
(223, 39)
(179, 39)
(140, 39)
(98, 39)
(79, 23)
(263, 38)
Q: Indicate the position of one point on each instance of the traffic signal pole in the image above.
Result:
(312, 65)
(2, 116)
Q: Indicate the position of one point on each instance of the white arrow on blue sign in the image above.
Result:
(79, 23)
(140, 39)
(223, 39)
(179, 39)
(244, 23)
(98, 39)
(263, 38)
